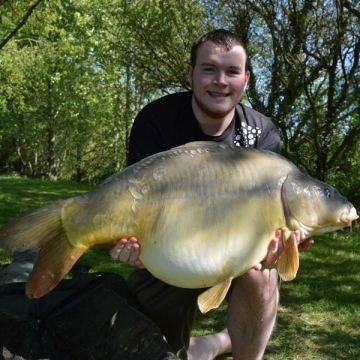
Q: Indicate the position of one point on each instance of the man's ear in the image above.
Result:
(190, 74)
(247, 78)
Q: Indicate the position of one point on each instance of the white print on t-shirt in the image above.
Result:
(246, 135)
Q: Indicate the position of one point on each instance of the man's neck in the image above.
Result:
(211, 125)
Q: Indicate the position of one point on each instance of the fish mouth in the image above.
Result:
(347, 217)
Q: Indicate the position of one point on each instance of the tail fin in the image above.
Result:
(33, 229)
(54, 261)
(42, 228)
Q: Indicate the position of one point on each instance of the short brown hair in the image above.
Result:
(224, 38)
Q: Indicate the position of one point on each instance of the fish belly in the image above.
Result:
(196, 243)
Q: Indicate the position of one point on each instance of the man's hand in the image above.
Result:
(277, 246)
(127, 250)
(306, 244)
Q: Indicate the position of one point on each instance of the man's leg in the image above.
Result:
(252, 313)
(171, 308)
(209, 346)
(251, 318)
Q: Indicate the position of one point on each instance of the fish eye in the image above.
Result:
(328, 193)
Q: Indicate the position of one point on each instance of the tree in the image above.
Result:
(92, 73)
(21, 23)
(305, 61)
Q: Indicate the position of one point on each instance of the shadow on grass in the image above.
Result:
(331, 269)
(319, 316)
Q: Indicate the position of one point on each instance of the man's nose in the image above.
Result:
(220, 78)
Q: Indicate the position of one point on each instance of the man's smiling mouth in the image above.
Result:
(216, 94)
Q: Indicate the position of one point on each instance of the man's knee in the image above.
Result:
(257, 287)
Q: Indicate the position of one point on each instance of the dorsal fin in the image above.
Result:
(201, 145)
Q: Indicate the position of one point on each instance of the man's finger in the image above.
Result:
(116, 250)
(305, 245)
(134, 254)
(273, 251)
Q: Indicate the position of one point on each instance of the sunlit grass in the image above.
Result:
(319, 315)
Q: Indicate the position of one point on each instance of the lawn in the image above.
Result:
(319, 315)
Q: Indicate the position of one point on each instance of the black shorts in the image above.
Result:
(171, 308)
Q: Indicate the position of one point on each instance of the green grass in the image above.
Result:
(319, 315)
(19, 195)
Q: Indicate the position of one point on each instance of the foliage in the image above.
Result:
(305, 61)
(75, 73)
(14, 29)
(81, 75)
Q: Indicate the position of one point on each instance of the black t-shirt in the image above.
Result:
(170, 121)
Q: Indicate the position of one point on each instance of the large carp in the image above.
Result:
(204, 213)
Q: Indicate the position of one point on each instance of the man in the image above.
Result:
(218, 74)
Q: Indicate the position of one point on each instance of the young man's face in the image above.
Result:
(218, 79)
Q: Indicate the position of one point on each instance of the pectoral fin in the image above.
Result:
(213, 297)
(288, 262)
